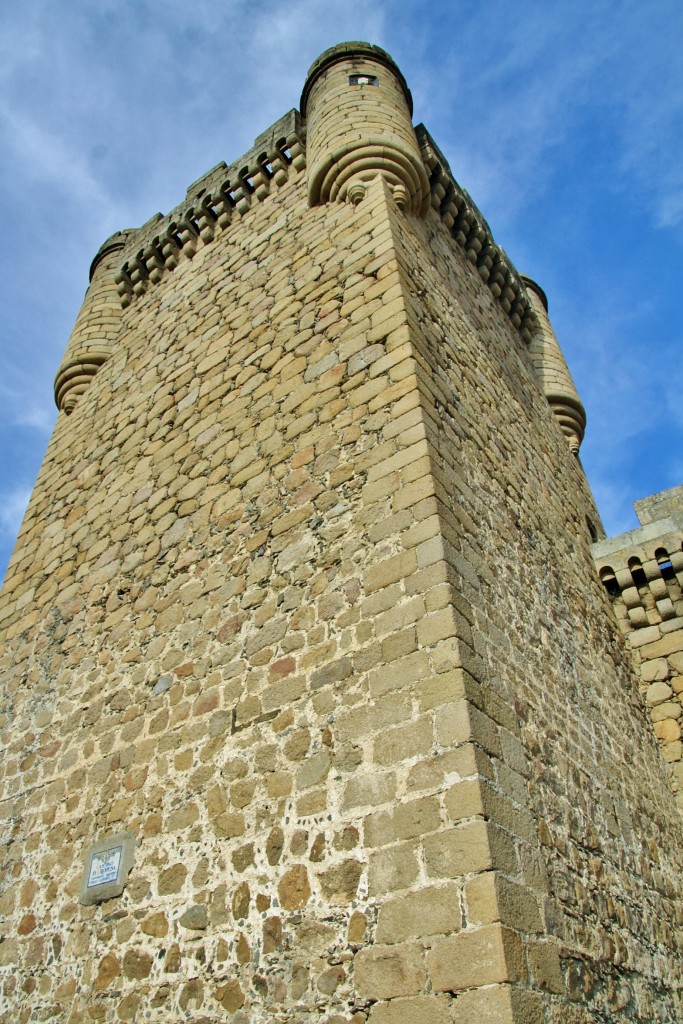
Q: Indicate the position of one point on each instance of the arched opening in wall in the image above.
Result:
(665, 564)
(592, 529)
(637, 572)
(609, 580)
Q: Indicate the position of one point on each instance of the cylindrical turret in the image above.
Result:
(552, 371)
(96, 327)
(358, 112)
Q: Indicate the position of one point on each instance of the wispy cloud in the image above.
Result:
(44, 158)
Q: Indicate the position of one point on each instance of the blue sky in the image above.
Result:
(563, 120)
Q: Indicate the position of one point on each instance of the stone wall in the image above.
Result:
(552, 694)
(304, 603)
(643, 573)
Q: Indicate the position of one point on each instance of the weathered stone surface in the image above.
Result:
(172, 879)
(431, 911)
(137, 964)
(156, 925)
(230, 996)
(413, 1010)
(340, 883)
(108, 969)
(293, 888)
(385, 972)
(195, 918)
(303, 600)
(485, 956)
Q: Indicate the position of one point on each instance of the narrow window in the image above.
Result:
(363, 80)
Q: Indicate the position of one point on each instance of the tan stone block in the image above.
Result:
(293, 888)
(339, 883)
(672, 751)
(108, 969)
(399, 673)
(458, 851)
(498, 1004)
(399, 616)
(438, 626)
(155, 925)
(369, 790)
(442, 688)
(422, 531)
(654, 671)
(405, 741)
(384, 972)
(545, 967)
(490, 1005)
(409, 819)
(434, 910)
(668, 730)
(465, 800)
(412, 1010)
(657, 693)
(391, 570)
(669, 644)
(414, 493)
(393, 868)
(400, 644)
(396, 460)
(641, 637)
(489, 955)
(669, 709)
(453, 724)
(491, 897)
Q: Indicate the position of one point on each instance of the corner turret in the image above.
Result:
(552, 371)
(358, 112)
(96, 327)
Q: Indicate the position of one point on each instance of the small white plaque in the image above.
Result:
(104, 866)
(107, 866)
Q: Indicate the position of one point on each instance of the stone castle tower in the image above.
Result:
(314, 706)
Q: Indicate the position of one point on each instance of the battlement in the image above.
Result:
(642, 571)
(226, 191)
(210, 204)
(410, 161)
(644, 567)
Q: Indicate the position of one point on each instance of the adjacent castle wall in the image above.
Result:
(643, 573)
(304, 603)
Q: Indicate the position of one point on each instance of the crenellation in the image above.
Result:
(642, 571)
(469, 229)
(225, 191)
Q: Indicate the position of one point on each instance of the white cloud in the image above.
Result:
(45, 158)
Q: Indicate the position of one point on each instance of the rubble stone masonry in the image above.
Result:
(304, 603)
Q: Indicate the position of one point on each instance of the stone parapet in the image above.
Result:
(212, 202)
(521, 299)
(642, 571)
(467, 226)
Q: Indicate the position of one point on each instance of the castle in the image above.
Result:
(324, 697)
